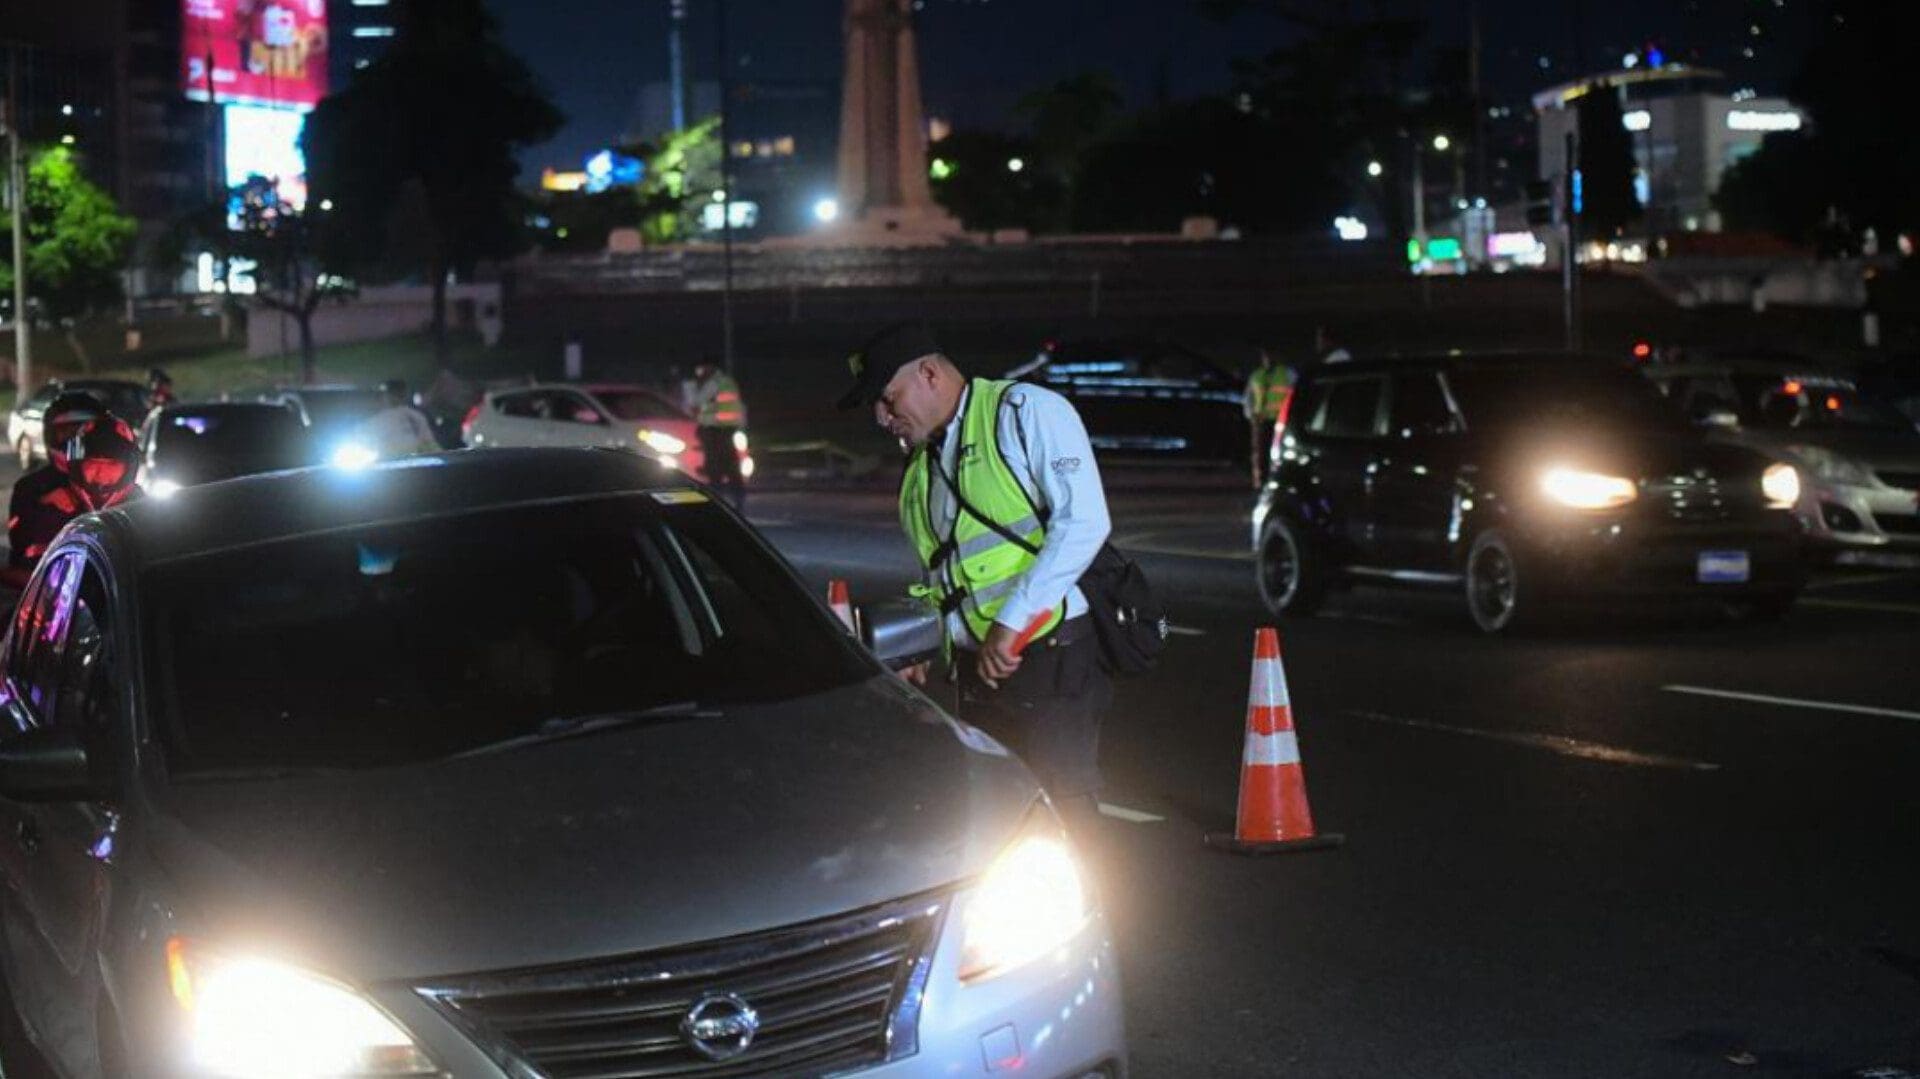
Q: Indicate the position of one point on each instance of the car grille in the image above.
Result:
(830, 996)
(1693, 498)
(1909, 481)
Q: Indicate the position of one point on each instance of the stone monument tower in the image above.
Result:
(883, 131)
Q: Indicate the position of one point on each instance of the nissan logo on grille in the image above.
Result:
(720, 1026)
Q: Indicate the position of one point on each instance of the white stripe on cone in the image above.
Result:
(1281, 747)
(1269, 686)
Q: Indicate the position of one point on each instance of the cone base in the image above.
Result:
(1232, 844)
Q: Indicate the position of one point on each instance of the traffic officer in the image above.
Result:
(1267, 391)
(159, 388)
(720, 423)
(1003, 504)
(96, 469)
(398, 430)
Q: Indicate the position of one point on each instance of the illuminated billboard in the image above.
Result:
(266, 142)
(259, 52)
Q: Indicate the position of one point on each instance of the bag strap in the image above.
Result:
(968, 508)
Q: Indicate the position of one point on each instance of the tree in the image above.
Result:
(77, 244)
(682, 171)
(431, 126)
(979, 184)
(1065, 120)
(1606, 165)
(1782, 188)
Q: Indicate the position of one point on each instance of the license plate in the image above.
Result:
(1724, 567)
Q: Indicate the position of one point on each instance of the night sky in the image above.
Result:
(979, 56)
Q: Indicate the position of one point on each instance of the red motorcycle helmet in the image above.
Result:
(103, 460)
(64, 418)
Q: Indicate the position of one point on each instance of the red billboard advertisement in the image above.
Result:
(259, 52)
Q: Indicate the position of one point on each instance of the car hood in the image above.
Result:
(1876, 449)
(619, 842)
(1647, 455)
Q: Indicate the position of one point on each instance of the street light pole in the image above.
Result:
(726, 203)
(17, 201)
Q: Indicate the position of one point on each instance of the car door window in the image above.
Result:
(573, 408)
(1420, 406)
(1351, 409)
(33, 647)
(517, 405)
(83, 671)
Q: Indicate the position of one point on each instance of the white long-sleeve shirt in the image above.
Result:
(1046, 446)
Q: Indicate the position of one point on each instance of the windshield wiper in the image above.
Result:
(561, 728)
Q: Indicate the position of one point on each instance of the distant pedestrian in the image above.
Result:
(398, 430)
(1267, 391)
(720, 422)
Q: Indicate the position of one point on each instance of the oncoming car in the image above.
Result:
(1524, 482)
(530, 763)
(181, 445)
(617, 416)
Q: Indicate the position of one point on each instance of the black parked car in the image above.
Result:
(1523, 481)
(182, 445)
(1148, 399)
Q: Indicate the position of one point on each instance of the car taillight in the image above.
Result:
(1642, 350)
(466, 425)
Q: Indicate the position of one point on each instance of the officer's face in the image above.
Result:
(912, 408)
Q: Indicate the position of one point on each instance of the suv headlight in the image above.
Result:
(1581, 490)
(251, 1016)
(1781, 484)
(1831, 468)
(1029, 902)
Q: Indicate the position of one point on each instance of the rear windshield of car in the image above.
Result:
(396, 644)
(125, 400)
(327, 409)
(1808, 404)
(1560, 395)
(262, 432)
(638, 405)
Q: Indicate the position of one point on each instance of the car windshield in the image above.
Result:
(1814, 404)
(124, 399)
(1561, 395)
(396, 644)
(637, 405)
(330, 408)
(262, 433)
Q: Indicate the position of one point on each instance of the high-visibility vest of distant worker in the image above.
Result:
(720, 419)
(1268, 389)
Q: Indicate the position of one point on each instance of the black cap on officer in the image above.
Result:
(875, 363)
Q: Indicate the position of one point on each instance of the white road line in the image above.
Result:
(1552, 743)
(1794, 702)
(1131, 816)
(1185, 631)
(1860, 605)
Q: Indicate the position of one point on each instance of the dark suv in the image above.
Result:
(1523, 481)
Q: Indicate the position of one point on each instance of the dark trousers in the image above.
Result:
(1262, 449)
(722, 464)
(1049, 711)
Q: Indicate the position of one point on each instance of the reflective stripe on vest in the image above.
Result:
(981, 567)
(722, 408)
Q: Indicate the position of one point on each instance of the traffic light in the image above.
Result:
(1540, 202)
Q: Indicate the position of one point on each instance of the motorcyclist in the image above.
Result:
(159, 389)
(31, 523)
(96, 470)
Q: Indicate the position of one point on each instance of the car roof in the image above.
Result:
(214, 408)
(1517, 361)
(338, 387)
(284, 505)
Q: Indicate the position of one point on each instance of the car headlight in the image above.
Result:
(163, 488)
(1781, 484)
(740, 441)
(1582, 490)
(250, 1016)
(352, 455)
(662, 442)
(1029, 902)
(1829, 467)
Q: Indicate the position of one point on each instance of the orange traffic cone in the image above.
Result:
(841, 605)
(1273, 813)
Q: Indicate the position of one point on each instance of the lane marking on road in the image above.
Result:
(1144, 543)
(770, 522)
(1552, 743)
(1794, 702)
(1862, 581)
(1185, 631)
(1361, 616)
(1860, 605)
(1131, 816)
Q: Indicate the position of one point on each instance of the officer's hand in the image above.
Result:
(917, 674)
(997, 658)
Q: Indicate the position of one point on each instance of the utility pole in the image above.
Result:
(17, 203)
(726, 202)
(676, 62)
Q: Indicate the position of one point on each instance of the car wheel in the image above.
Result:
(1291, 569)
(24, 449)
(1502, 596)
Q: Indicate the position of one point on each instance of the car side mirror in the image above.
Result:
(902, 632)
(46, 764)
